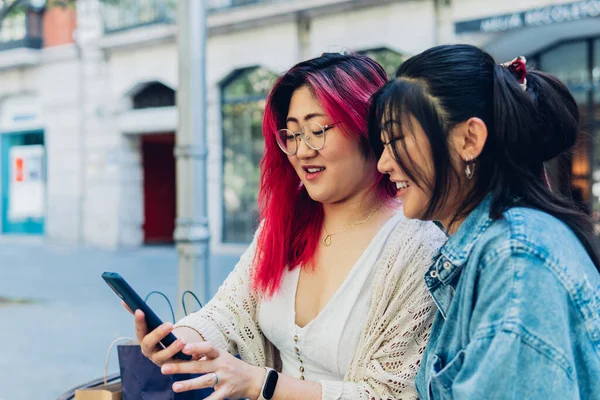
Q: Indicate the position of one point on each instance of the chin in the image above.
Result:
(324, 197)
(318, 197)
(411, 212)
(408, 214)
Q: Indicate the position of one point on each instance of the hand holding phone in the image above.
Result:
(150, 330)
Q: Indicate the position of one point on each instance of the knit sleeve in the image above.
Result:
(399, 321)
(229, 320)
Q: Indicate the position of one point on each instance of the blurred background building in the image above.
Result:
(88, 114)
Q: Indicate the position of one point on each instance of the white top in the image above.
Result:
(327, 344)
(395, 329)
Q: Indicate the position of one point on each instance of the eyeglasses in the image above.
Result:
(390, 143)
(312, 133)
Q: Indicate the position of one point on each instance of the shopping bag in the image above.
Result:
(111, 391)
(105, 390)
(142, 379)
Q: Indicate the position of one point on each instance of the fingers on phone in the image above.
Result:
(149, 341)
(141, 329)
(167, 354)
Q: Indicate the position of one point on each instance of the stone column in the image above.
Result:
(191, 233)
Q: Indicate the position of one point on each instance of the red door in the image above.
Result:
(159, 187)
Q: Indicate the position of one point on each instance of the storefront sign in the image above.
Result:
(21, 113)
(26, 186)
(530, 18)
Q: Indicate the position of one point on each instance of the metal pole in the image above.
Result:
(191, 233)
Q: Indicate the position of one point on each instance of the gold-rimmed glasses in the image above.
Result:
(312, 133)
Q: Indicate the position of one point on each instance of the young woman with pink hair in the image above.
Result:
(329, 293)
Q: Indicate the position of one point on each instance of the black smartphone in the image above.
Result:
(135, 302)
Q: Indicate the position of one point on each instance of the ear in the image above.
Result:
(469, 138)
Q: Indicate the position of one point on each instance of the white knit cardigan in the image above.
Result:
(394, 335)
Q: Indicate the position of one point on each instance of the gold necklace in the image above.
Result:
(327, 239)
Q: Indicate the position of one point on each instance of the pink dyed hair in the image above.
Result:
(291, 220)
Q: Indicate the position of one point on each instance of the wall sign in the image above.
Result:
(27, 194)
(530, 18)
(21, 113)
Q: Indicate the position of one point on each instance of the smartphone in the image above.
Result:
(135, 302)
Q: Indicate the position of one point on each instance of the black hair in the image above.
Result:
(446, 85)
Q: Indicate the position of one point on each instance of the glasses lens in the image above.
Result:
(286, 141)
(314, 135)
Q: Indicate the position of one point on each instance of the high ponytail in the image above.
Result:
(535, 126)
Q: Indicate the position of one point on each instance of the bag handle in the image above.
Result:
(166, 298)
(183, 300)
(114, 342)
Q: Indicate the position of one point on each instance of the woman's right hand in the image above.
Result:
(149, 341)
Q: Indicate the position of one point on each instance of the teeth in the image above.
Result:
(401, 185)
(313, 170)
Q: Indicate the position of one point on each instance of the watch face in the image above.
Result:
(270, 384)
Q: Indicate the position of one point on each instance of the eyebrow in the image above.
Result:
(306, 117)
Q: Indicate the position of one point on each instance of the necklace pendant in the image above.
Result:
(327, 240)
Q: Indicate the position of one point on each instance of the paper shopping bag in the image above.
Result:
(111, 391)
(105, 390)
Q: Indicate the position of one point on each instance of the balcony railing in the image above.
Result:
(21, 29)
(130, 14)
(215, 5)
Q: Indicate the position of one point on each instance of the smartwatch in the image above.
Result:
(268, 387)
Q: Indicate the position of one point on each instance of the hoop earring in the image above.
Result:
(470, 169)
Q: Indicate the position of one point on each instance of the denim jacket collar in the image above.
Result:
(447, 265)
(459, 246)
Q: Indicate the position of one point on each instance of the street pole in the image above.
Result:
(191, 232)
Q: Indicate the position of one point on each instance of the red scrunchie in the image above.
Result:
(518, 68)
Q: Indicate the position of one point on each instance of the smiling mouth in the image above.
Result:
(402, 185)
(313, 170)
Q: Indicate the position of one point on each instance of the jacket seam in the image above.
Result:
(523, 246)
(532, 340)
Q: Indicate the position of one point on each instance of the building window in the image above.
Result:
(154, 95)
(123, 15)
(243, 101)
(577, 64)
(594, 127)
(21, 27)
(390, 60)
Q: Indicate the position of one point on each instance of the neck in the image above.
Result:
(452, 226)
(457, 209)
(342, 214)
(466, 207)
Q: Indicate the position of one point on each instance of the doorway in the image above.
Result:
(159, 187)
(23, 183)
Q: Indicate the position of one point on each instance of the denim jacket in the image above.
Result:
(519, 312)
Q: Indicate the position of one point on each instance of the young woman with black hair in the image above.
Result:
(517, 284)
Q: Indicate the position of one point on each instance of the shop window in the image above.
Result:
(243, 101)
(577, 64)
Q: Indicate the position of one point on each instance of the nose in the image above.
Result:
(304, 152)
(384, 164)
